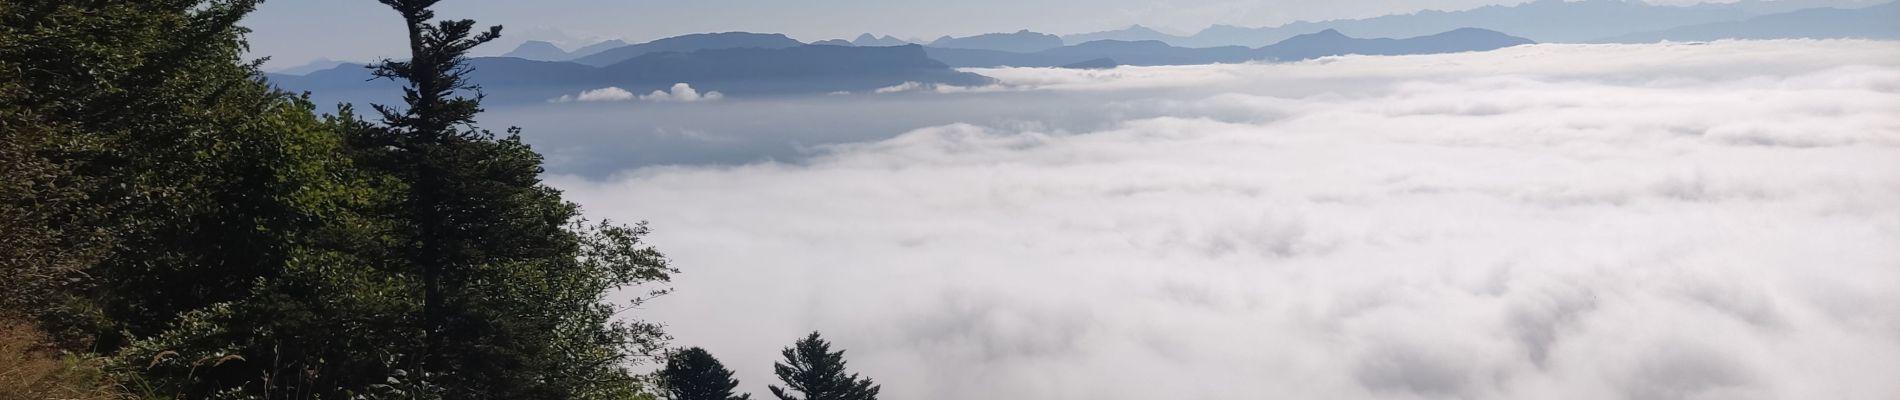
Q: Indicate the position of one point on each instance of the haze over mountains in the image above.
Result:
(1875, 22)
(1134, 33)
(771, 64)
(313, 66)
(799, 69)
(614, 51)
(744, 63)
(689, 43)
(1149, 52)
(538, 50)
(886, 40)
(1022, 41)
(1548, 21)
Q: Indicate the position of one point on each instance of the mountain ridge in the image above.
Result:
(1022, 41)
(1132, 33)
(689, 43)
(1873, 22)
(804, 69)
(1313, 45)
(868, 40)
(1548, 21)
(538, 50)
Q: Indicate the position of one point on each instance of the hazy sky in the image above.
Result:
(297, 31)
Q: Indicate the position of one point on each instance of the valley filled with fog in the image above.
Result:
(1549, 221)
(1021, 199)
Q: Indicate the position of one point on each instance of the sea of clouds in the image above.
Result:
(1675, 221)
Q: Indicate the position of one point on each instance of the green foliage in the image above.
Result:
(220, 240)
(51, 234)
(693, 374)
(511, 285)
(815, 372)
(198, 173)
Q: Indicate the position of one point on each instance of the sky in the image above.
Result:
(294, 32)
(1665, 221)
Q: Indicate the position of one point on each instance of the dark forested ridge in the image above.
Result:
(178, 228)
(801, 69)
(761, 64)
(1302, 47)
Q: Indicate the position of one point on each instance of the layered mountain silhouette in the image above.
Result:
(1022, 41)
(1150, 52)
(1876, 22)
(596, 48)
(691, 43)
(1549, 21)
(313, 66)
(742, 63)
(1134, 33)
(804, 69)
(867, 40)
(538, 50)
(1332, 43)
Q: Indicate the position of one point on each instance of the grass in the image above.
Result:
(32, 370)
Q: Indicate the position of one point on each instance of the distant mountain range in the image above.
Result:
(1549, 21)
(313, 66)
(538, 50)
(614, 51)
(595, 49)
(1151, 52)
(867, 40)
(1876, 22)
(1136, 33)
(689, 43)
(1022, 41)
(800, 69)
(742, 63)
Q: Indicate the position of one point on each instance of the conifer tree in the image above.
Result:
(811, 371)
(218, 239)
(511, 284)
(693, 374)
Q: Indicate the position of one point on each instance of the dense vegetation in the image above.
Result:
(177, 228)
(693, 374)
(811, 371)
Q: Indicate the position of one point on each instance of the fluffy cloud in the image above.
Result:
(682, 93)
(913, 86)
(1576, 221)
(602, 94)
(910, 86)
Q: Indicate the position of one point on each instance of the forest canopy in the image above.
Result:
(177, 227)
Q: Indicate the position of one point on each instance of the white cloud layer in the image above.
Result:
(914, 86)
(596, 95)
(1544, 222)
(682, 93)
